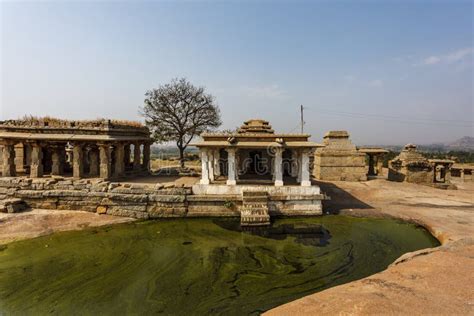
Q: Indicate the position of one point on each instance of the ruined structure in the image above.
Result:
(411, 166)
(47, 146)
(339, 160)
(462, 171)
(375, 160)
(234, 163)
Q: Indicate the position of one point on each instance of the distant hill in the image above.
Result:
(465, 143)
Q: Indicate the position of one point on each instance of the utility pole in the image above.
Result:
(302, 120)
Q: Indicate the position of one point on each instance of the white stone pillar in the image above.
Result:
(231, 174)
(210, 164)
(278, 168)
(294, 163)
(305, 180)
(204, 166)
(217, 165)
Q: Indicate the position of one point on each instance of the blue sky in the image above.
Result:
(389, 72)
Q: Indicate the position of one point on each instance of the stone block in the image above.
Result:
(101, 209)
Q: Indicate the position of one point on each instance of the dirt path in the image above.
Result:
(438, 281)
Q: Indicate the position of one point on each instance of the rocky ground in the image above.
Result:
(434, 281)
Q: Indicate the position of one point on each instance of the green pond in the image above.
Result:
(196, 266)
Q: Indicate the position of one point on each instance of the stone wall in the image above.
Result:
(148, 201)
(103, 197)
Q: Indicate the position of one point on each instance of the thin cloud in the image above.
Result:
(375, 83)
(272, 91)
(451, 58)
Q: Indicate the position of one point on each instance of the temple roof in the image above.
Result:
(256, 126)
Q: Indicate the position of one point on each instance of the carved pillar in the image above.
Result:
(58, 158)
(105, 160)
(210, 164)
(305, 180)
(146, 156)
(380, 165)
(217, 165)
(94, 162)
(204, 166)
(136, 156)
(77, 161)
(231, 163)
(278, 168)
(9, 169)
(119, 159)
(36, 166)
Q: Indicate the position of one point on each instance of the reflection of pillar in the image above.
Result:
(77, 161)
(119, 159)
(36, 166)
(136, 156)
(57, 158)
(278, 168)
(231, 174)
(204, 167)
(94, 162)
(105, 160)
(305, 181)
(146, 156)
(9, 169)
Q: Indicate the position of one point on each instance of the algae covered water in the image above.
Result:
(196, 266)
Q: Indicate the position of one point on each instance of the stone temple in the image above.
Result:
(266, 171)
(95, 149)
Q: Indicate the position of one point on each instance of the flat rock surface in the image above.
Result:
(435, 281)
(34, 223)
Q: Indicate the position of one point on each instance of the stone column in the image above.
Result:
(94, 162)
(136, 156)
(210, 164)
(127, 155)
(462, 174)
(204, 166)
(119, 159)
(36, 166)
(305, 180)
(105, 160)
(146, 156)
(231, 173)
(278, 168)
(447, 175)
(371, 165)
(294, 163)
(77, 161)
(217, 165)
(9, 168)
(57, 158)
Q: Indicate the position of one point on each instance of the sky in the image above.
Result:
(389, 72)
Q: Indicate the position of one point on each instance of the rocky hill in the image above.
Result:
(465, 143)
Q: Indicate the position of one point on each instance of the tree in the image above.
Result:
(178, 111)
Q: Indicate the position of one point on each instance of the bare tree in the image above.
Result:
(178, 111)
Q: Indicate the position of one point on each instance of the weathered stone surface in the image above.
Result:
(127, 213)
(167, 198)
(128, 197)
(13, 205)
(29, 193)
(101, 209)
(63, 193)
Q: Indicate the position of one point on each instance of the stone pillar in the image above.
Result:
(305, 180)
(294, 163)
(119, 159)
(371, 165)
(77, 161)
(278, 168)
(94, 162)
(204, 166)
(448, 173)
(210, 164)
(9, 168)
(127, 155)
(36, 166)
(299, 169)
(105, 160)
(136, 156)
(231, 166)
(217, 165)
(146, 156)
(57, 158)
(462, 174)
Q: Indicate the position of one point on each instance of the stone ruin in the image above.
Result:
(339, 160)
(411, 166)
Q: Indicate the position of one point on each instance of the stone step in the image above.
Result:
(254, 209)
(254, 193)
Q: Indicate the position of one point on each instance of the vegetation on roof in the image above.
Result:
(30, 120)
